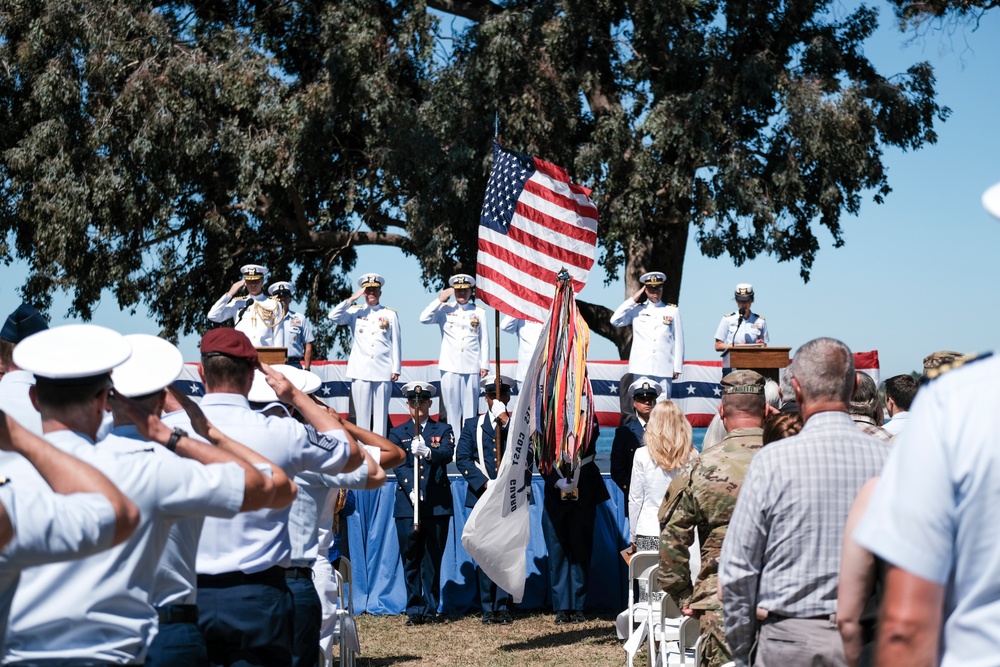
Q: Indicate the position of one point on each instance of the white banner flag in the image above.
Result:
(496, 533)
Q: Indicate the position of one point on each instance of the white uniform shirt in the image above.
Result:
(657, 337)
(934, 508)
(465, 343)
(256, 541)
(14, 400)
(293, 333)
(527, 332)
(898, 422)
(49, 527)
(646, 489)
(99, 607)
(377, 350)
(227, 308)
(750, 329)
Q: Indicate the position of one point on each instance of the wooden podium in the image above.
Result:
(278, 355)
(765, 360)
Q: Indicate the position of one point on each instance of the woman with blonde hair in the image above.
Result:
(668, 448)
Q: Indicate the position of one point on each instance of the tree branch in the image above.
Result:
(598, 318)
(344, 239)
(474, 10)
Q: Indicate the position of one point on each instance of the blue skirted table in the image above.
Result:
(378, 571)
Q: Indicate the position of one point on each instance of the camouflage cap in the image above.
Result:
(936, 359)
(743, 382)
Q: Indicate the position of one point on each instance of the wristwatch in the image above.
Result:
(175, 436)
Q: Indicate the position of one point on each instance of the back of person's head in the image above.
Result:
(751, 404)
(772, 395)
(668, 436)
(901, 389)
(787, 390)
(824, 371)
(865, 401)
(782, 426)
(221, 371)
(228, 360)
(62, 396)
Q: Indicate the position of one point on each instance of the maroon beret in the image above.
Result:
(229, 342)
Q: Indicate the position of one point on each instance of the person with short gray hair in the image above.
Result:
(806, 484)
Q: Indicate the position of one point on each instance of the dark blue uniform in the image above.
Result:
(422, 550)
(628, 438)
(494, 600)
(568, 528)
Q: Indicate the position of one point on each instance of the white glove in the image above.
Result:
(420, 449)
(498, 409)
(413, 497)
(565, 485)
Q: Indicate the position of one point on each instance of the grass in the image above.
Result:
(532, 639)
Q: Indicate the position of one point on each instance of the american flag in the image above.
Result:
(534, 223)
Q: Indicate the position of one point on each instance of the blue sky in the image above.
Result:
(905, 283)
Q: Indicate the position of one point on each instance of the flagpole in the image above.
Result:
(496, 381)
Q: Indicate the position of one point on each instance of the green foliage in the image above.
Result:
(152, 149)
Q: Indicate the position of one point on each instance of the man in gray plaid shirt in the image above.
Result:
(782, 551)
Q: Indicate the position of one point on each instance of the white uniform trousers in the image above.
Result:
(460, 396)
(666, 384)
(326, 587)
(371, 400)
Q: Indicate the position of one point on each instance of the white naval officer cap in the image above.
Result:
(371, 280)
(305, 381)
(991, 200)
(462, 281)
(72, 354)
(253, 272)
(653, 278)
(644, 387)
(280, 286)
(488, 383)
(744, 292)
(418, 389)
(153, 366)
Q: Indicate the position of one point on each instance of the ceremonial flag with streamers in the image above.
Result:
(535, 222)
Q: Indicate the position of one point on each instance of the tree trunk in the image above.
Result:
(660, 251)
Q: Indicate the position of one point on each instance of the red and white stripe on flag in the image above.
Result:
(535, 222)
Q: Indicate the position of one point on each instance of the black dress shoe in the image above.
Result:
(577, 617)
(488, 618)
(502, 618)
(415, 619)
(562, 617)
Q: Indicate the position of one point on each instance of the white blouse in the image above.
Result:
(645, 494)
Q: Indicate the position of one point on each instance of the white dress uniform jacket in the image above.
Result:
(465, 343)
(657, 337)
(377, 350)
(750, 330)
(14, 400)
(102, 609)
(226, 308)
(49, 527)
(527, 332)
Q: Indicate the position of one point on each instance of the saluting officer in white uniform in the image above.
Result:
(742, 327)
(376, 355)
(465, 348)
(657, 333)
(100, 605)
(241, 310)
(294, 332)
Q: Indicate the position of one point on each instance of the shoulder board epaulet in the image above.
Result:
(759, 316)
(934, 373)
(391, 310)
(730, 314)
(4, 481)
(672, 305)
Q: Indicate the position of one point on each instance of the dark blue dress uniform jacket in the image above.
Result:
(468, 453)
(628, 438)
(435, 497)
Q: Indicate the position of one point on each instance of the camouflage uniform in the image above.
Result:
(703, 496)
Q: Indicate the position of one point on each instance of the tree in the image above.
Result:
(169, 144)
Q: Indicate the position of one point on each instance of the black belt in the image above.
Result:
(271, 575)
(774, 618)
(294, 358)
(299, 573)
(178, 613)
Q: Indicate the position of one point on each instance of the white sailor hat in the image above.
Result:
(72, 354)
(153, 366)
(991, 200)
(280, 286)
(489, 383)
(653, 278)
(462, 281)
(371, 280)
(418, 389)
(261, 392)
(644, 387)
(253, 272)
(744, 292)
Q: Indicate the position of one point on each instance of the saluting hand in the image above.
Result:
(284, 389)
(236, 287)
(445, 294)
(357, 295)
(149, 425)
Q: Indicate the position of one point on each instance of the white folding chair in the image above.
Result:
(347, 629)
(665, 619)
(685, 651)
(638, 612)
